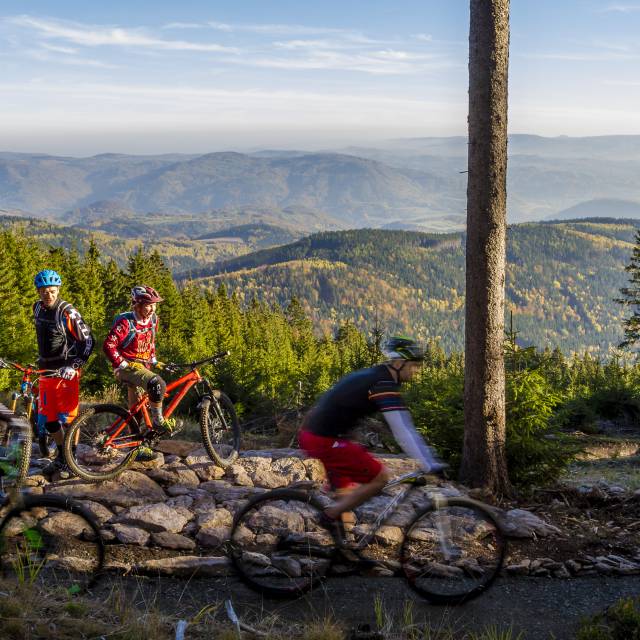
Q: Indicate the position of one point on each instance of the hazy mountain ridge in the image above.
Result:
(416, 182)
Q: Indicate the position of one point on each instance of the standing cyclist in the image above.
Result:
(131, 348)
(64, 343)
(352, 470)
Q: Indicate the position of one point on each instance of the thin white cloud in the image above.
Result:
(184, 25)
(92, 36)
(423, 37)
(621, 8)
(58, 49)
(75, 61)
(385, 62)
(582, 57)
(282, 29)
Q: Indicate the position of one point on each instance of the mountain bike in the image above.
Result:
(450, 551)
(109, 436)
(49, 538)
(25, 401)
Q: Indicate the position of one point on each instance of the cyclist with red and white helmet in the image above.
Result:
(64, 344)
(131, 348)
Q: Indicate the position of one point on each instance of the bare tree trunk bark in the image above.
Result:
(483, 458)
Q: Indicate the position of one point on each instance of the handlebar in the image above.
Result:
(174, 366)
(29, 368)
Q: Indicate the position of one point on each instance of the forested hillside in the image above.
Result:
(273, 351)
(561, 282)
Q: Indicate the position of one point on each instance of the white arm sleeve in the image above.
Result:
(407, 437)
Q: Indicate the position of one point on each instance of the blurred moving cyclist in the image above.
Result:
(64, 344)
(352, 470)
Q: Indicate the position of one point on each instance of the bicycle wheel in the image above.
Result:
(53, 540)
(220, 429)
(15, 450)
(90, 459)
(452, 552)
(278, 545)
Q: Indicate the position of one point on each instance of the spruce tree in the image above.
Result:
(631, 298)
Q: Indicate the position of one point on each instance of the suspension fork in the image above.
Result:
(443, 527)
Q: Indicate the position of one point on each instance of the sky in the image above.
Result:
(81, 78)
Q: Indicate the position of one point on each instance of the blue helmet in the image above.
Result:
(48, 278)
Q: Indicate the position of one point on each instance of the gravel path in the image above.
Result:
(541, 608)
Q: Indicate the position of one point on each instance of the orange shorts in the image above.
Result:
(58, 400)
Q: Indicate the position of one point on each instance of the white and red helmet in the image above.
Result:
(145, 295)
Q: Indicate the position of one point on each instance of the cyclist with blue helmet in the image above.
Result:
(64, 344)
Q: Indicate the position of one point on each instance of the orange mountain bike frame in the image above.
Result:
(186, 382)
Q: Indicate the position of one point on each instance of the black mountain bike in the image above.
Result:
(45, 537)
(450, 552)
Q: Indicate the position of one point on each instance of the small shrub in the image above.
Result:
(621, 621)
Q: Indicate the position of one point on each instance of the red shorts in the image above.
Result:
(346, 462)
(58, 400)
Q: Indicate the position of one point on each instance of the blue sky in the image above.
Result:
(80, 78)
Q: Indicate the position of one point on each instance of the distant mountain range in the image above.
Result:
(412, 183)
(599, 208)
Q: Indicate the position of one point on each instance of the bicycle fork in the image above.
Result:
(443, 527)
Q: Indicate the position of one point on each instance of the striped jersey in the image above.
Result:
(356, 396)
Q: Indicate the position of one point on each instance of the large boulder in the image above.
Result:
(131, 535)
(156, 517)
(128, 489)
(175, 473)
(200, 462)
(520, 523)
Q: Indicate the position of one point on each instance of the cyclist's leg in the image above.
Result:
(156, 388)
(58, 406)
(361, 493)
(346, 463)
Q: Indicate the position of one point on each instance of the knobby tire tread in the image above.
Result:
(226, 404)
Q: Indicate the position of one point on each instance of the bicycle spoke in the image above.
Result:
(98, 447)
(453, 552)
(279, 545)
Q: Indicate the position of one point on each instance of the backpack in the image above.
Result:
(131, 320)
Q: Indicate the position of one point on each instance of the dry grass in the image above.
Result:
(619, 471)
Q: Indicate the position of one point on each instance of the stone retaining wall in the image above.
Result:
(173, 515)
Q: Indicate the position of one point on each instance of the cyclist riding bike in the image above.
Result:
(64, 344)
(131, 348)
(353, 472)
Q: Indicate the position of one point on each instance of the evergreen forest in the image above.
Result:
(279, 358)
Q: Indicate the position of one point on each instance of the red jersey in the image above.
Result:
(131, 339)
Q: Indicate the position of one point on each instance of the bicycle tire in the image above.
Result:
(16, 442)
(218, 419)
(89, 461)
(37, 536)
(466, 565)
(279, 546)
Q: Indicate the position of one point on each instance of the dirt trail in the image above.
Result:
(540, 608)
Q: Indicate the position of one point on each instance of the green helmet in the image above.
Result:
(402, 347)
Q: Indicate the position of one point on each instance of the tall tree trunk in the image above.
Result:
(484, 458)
